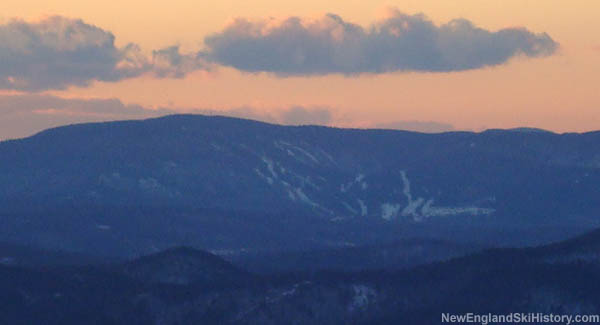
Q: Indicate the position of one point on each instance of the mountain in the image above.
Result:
(234, 186)
(183, 265)
(497, 281)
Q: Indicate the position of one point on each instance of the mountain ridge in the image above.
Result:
(232, 184)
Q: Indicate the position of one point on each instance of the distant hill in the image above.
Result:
(233, 186)
(183, 266)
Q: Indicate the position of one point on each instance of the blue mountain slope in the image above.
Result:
(230, 184)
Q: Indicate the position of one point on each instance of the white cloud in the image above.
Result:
(59, 52)
(400, 42)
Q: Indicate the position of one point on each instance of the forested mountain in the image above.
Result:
(231, 186)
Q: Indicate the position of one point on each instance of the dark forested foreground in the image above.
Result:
(187, 286)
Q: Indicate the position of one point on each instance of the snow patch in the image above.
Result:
(363, 295)
(349, 208)
(263, 176)
(307, 154)
(328, 156)
(291, 195)
(290, 292)
(304, 198)
(412, 205)
(430, 211)
(389, 211)
(357, 180)
(270, 166)
(427, 210)
(290, 150)
(306, 180)
(411, 208)
(298, 194)
(363, 208)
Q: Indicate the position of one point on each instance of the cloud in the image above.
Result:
(400, 42)
(169, 62)
(417, 126)
(59, 52)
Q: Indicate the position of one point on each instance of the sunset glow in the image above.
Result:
(537, 86)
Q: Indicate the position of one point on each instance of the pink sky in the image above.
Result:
(359, 85)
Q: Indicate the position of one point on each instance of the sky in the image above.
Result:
(424, 65)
